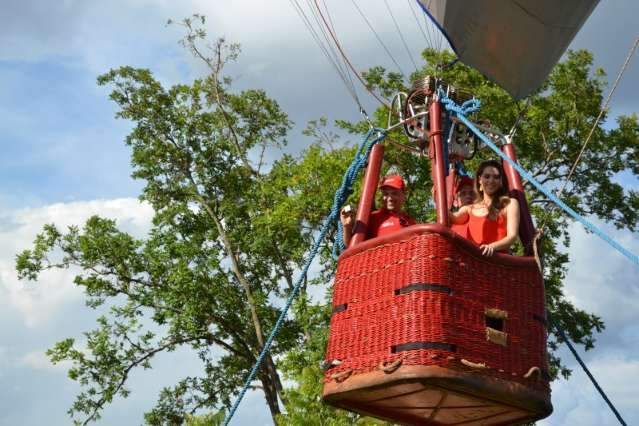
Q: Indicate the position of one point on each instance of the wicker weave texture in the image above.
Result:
(446, 308)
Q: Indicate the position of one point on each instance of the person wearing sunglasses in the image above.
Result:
(493, 218)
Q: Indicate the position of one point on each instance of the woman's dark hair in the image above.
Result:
(500, 198)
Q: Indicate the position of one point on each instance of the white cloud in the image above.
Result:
(577, 402)
(600, 279)
(37, 302)
(278, 47)
(38, 360)
(604, 282)
(98, 36)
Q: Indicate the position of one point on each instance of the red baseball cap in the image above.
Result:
(463, 181)
(393, 181)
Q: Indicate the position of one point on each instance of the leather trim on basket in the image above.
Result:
(423, 286)
(496, 336)
(411, 346)
(340, 308)
(540, 319)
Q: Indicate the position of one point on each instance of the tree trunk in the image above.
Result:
(270, 394)
(269, 364)
(275, 377)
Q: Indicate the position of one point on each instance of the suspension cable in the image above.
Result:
(583, 367)
(307, 23)
(435, 33)
(349, 63)
(519, 119)
(562, 334)
(603, 109)
(378, 38)
(338, 59)
(327, 40)
(401, 35)
(432, 32)
(333, 29)
(592, 129)
(412, 9)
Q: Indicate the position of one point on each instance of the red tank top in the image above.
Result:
(483, 230)
(460, 229)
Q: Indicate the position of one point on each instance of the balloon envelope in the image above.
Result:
(515, 43)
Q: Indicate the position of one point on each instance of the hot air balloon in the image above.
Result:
(426, 330)
(515, 43)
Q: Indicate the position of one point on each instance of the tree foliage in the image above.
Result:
(210, 272)
(235, 216)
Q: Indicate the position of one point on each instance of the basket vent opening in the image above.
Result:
(495, 323)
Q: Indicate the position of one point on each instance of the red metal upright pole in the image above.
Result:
(526, 227)
(371, 178)
(438, 168)
(450, 187)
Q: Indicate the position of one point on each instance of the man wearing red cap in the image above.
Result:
(390, 218)
(464, 191)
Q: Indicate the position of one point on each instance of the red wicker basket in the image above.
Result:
(425, 330)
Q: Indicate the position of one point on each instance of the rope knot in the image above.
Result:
(468, 107)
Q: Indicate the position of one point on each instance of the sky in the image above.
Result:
(63, 158)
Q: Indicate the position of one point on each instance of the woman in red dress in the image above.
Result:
(493, 219)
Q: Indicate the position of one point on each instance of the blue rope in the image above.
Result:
(340, 197)
(583, 366)
(461, 170)
(346, 189)
(472, 106)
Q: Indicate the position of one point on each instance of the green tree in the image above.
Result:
(231, 230)
(226, 240)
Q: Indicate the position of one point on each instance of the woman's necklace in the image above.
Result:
(484, 204)
(481, 207)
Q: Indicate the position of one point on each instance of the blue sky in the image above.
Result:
(63, 158)
(60, 136)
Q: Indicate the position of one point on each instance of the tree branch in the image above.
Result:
(125, 374)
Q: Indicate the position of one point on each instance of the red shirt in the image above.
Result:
(483, 230)
(460, 229)
(384, 222)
